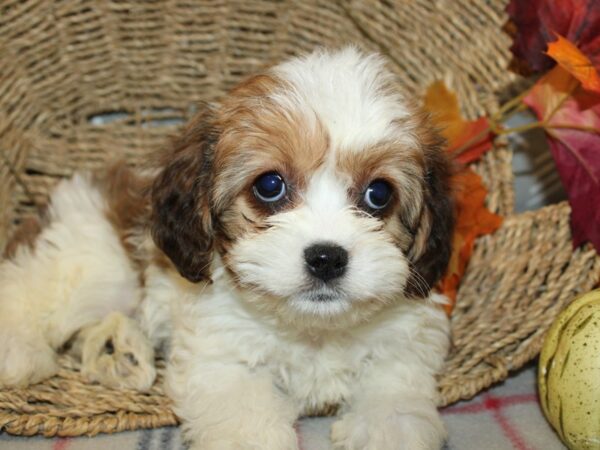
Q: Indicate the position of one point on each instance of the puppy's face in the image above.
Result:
(325, 194)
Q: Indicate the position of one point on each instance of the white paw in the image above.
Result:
(115, 353)
(244, 430)
(393, 432)
(25, 361)
(271, 439)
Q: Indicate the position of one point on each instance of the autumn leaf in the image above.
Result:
(567, 100)
(537, 22)
(570, 117)
(467, 140)
(575, 62)
(473, 220)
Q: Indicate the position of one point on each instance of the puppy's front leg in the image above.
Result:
(391, 413)
(230, 407)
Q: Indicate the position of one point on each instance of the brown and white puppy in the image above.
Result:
(305, 219)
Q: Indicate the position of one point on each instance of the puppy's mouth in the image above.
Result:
(323, 301)
(319, 292)
(322, 296)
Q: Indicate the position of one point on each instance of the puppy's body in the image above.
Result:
(269, 308)
(253, 376)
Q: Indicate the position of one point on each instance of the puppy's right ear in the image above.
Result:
(182, 222)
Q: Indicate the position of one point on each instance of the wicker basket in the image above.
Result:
(64, 63)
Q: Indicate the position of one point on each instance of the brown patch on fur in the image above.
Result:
(382, 161)
(259, 136)
(402, 168)
(127, 196)
(257, 86)
(25, 234)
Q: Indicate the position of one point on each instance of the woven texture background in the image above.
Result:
(67, 63)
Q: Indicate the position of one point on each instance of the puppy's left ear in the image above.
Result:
(432, 245)
(182, 224)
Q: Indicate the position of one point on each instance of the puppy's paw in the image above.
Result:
(115, 353)
(250, 430)
(283, 438)
(25, 361)
(392, 432)
(229, 445)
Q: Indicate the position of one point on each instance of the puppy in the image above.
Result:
(282, 256)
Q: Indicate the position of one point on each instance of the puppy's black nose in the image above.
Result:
(326, 261)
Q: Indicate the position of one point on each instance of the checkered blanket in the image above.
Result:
(505, 417)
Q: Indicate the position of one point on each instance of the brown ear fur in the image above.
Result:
(432, 245)
(182, 223)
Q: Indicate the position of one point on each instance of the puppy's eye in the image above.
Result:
(378, 194)
(269, 187)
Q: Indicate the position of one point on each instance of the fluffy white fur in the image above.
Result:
(244, 364)
(240, 379)
(77, 275)
(350, 93)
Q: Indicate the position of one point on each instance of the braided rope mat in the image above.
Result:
(67, 62)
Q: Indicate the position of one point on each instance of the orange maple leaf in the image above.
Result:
(565, 53)
(473, 220)
(467, 139)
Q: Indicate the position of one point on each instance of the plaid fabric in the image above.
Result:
(505, 417)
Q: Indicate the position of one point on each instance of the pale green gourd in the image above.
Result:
(569, 373)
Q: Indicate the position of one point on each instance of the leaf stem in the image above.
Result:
(574, 85)
(514, 111)
(547, 127)
(522, 128)
(515, 102)
(472, 141)
(568, 126)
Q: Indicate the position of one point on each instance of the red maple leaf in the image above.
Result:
(537, 23)
(570, 117)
